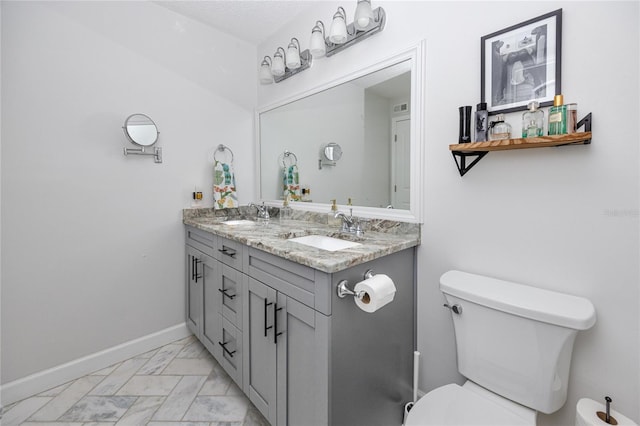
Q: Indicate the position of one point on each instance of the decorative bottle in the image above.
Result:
(482, 122)
(572, 118)
(558, 117)
(532, 121)
(332, 220)
(499, 129)
(286, 212)
(465, 124)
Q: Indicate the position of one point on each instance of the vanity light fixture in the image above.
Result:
(361, 28)
(295, 63)
(265, 71)
(367, 22)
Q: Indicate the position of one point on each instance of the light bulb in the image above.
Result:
(265, 72)
(277, 67)
(364, 15)
(338, 31)
(293, 54)
(317, 46)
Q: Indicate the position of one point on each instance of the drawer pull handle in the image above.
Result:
(195, 269)
(275, 324)
(224, 293)
(230, 353)
(265, 317)
(228, 252)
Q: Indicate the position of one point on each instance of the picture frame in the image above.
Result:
(521, 64)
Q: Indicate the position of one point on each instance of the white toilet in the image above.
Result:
(514, 345)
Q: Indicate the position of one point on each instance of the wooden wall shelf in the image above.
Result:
(523, 143)
(461, 152)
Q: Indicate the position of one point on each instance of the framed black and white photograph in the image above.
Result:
(522, 63)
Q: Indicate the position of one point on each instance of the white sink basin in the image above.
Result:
(324, 242)
(239, 222)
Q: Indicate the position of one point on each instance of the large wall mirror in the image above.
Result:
(375, 116)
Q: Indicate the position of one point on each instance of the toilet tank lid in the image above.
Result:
(534, 303)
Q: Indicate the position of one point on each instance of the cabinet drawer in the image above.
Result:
(229, 252)
(203, 241)
(229, 353)
(294, 280)
(230, 282)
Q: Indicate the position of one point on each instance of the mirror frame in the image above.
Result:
(131, 139)
(416, 54)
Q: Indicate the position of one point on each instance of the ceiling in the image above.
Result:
(250, 20)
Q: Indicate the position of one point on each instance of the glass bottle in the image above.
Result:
(332, 220)
(286, 212)
(572, 118)
(465, 124)
(482, 122)
(499, 129)
(532, 121)
(558, 117)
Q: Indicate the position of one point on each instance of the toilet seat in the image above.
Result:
(468, 405)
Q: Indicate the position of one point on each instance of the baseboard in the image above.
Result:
(56, 376)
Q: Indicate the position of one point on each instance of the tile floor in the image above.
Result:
(177, 384)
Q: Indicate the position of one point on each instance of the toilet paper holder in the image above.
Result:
(343, 290)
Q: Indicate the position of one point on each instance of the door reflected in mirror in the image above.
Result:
(364, 123)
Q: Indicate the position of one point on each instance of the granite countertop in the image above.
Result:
(385, 237)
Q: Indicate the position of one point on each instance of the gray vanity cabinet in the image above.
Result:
(300, 353)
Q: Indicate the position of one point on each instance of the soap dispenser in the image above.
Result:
(332, 220)
(286, 212)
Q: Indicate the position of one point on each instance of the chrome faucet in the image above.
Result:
(350, 224)
(263, 211)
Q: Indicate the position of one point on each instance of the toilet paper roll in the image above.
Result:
(377, 292)
(587, 414)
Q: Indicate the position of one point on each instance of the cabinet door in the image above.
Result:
(210, 320)
(194, 290)
(303, 363)
(260, 350)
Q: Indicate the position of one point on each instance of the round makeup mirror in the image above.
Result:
(332, 151)
(141, 130)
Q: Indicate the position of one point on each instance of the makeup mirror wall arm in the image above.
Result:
(157, 152)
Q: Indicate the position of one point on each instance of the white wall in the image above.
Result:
(558, 218)
(93, 241)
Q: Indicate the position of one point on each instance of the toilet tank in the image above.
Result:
(516, 340)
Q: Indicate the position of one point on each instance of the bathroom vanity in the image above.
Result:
(268, 311)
